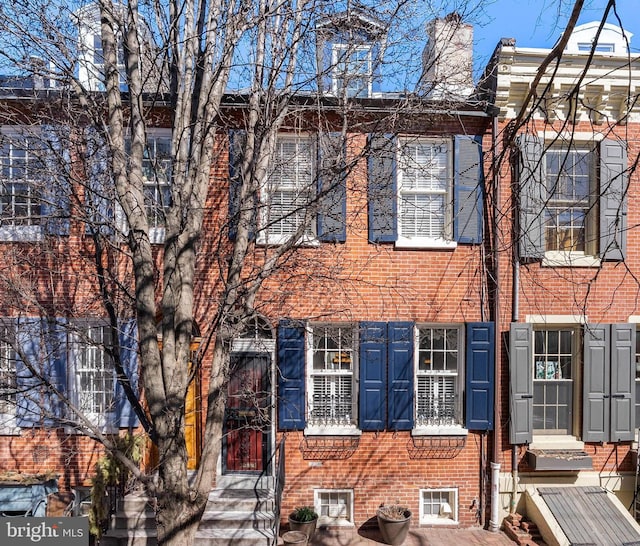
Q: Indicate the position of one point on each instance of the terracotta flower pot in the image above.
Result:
(394, 531)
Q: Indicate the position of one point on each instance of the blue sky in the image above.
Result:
(539, 23)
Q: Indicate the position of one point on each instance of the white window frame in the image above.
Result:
(158, 186)
(8, 359)
(81, 346)
(342, 70)
(32, 229)
(332, 518)
(575, 258)
(448, 510)
(302, 185)
(335, 428)
(425, 187)
(445, 428)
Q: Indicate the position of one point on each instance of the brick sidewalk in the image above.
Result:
(370, 536)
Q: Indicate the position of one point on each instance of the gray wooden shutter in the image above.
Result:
(613, 203)
(332, 188)
(532, 194)
(521, 382)
(623, 389)
(596, 407)
(468, 189)
(382, 189)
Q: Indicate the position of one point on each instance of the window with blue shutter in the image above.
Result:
(480, 375)
(291, 376)
(373, 375)
(382, 188)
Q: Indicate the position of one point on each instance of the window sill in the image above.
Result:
(21, 234)
(332, 431)
(560, 441)
(569, 259)
(440, 431)
(425, 243)
(439, 522)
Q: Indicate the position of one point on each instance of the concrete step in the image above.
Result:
(234, 519)
(241, 499)
(129, 537)
(245, 481)
(129, 520)
(234, 537)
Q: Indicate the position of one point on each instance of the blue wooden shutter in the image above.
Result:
(532, 196)
(332, 188)
(613, 201)
(128, 343)
(99, 194)
(468, 189)
(41, 348)
(56, 198)
(237, 144)
(400, 370)
(291, 376)
(596, 406)
(373, 375)
(480, 375)
(521, 383)
(382, 189)
(623, 388)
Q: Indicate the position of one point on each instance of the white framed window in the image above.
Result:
(352, 70)
(439, 506)
(334, 506)
(555, 359)
(424, 192)
(92, 372)
(22, 164)
(289, 192)
(439, 381)
(8, 379)
(332, 399)
(571, 208)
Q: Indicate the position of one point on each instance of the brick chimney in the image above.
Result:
(447, 59)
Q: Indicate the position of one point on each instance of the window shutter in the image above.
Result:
(237, 145)
(382, 189)
(373, 375)
(291, 383)
(332, 188)
(128, 342)
(521, 383)
(613, 202)
(99, 196)
(623, 389)
(56, 198)
(400, 371)
(480, 375)
(532, 197)
(596, 407)
(41, 346)
(468, 189)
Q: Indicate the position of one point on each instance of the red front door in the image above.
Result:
(247, 414)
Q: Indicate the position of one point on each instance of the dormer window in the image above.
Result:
(353, 70)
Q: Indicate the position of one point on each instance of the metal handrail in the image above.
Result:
(279, 456)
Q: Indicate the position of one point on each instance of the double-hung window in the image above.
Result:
(93, 373)
(572, 207)
(331, 377)
(8, 384)
(424, 187)
(289, 192)
(23, 165)
(439, 379)
(352, 70)
(156, 167)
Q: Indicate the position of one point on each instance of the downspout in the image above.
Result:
(515, 306)
(494, 524)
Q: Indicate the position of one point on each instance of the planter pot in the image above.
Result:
(394, 531)
(306, 527)
(297, 538)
